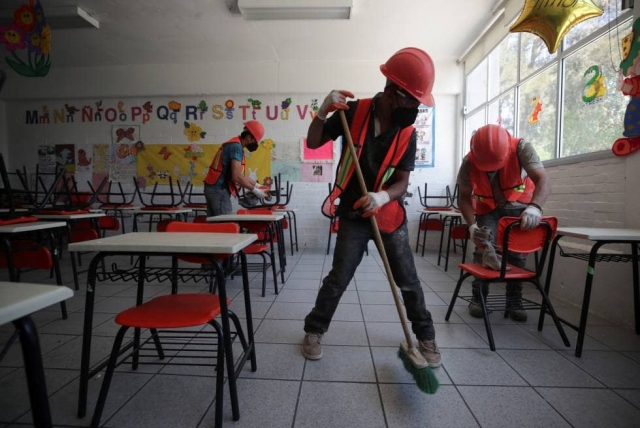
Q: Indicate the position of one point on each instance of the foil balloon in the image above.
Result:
(551, 20)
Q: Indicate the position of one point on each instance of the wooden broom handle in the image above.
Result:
(376, 231)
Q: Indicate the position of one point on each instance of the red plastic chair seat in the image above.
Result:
(113, 206)
(82, 235)
(438, 209)
(201, 206)
(172, 311)
(514, 274)
(27, 255)
(61, 212)
(18, 220)
(109, 223)
(432, 224)
(256, 248)
(151, 208)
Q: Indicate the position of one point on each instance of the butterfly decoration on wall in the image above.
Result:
(123, 133)
(165, 153)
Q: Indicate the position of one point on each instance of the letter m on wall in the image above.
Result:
(32, 117)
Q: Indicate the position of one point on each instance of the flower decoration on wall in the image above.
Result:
(193, 132)
(28, 40)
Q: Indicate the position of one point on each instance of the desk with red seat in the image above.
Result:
(144, 244)
(172, 213)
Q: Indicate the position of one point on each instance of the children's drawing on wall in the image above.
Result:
(84, 159)
(65, 157)
(47, 159)
(101, 159)
(289, 171)
(425, 137)
(316, 173)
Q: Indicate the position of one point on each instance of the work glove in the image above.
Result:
(530, 217)
(473, 234)
(372, 202)
(336, 100)
(259, 192)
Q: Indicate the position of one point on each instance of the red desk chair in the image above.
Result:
(173, 311)
(425, 223)
(179, 226)
(513, 239)
(263, 246)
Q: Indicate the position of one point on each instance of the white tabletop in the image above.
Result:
(28, 227)
(68, 216)
(177, 211)
(600, 234)
(169, 242)
(246, 217)
(19, 299)
(286, 210)
(448, 213)
(119, 208)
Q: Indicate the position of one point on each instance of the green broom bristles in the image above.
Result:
(425, 378)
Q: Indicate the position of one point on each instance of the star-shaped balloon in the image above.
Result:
(551, 20)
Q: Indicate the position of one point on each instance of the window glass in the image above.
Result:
(593, 108)
(537, 112)
(533, 54)
(471, 124)
(502, 111)
(611, 11)
(503, 60)
(477, 86)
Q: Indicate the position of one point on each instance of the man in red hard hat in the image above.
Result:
(501, 176)
(226, 171)
(385, 139)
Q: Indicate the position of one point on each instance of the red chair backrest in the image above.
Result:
(109, 223)
(432, 224)
(460, 232)
(200, 219)
(526, 241)
(180, 226)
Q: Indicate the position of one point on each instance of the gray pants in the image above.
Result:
(514, 289)
(353, 236)
(218, 200)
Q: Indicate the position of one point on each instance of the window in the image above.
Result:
(477, 86)
(593, 107)
(566, 103)
(537, 112)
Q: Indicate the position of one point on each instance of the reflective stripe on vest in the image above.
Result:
(216, 169)
(391, 215)
(514, 187)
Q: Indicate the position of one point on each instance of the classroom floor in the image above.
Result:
(531, 381)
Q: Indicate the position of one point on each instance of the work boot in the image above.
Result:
(311, 347)
(475, 310)
(430, 352)
(516, 312)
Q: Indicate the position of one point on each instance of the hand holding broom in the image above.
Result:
(413, 360)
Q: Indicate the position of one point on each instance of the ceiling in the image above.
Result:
(137, 32)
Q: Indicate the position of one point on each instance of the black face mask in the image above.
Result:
(252, 147)
(403, 116)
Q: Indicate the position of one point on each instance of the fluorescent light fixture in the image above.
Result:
(256, 10)
(59, 18)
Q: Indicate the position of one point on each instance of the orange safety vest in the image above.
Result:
(514, 187)
(391, 215)
(216, 169)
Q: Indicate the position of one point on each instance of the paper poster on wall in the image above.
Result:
(289, 171)
(425, 137)
(323, 154)
(65, 157)
(84, 158)
(287, 151)
(316, 173)
(101, 159)
(47, 159)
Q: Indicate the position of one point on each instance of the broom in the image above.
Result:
(412, 359)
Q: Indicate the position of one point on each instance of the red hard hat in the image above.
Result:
(256, 129)
(490, 147)
(412, 70)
